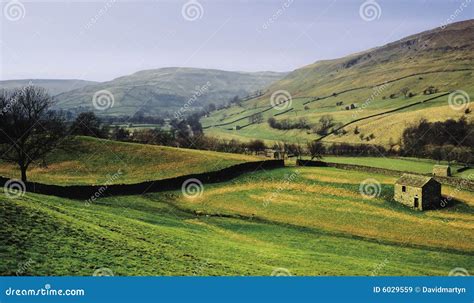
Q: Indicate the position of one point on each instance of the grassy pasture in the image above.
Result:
(369, 100)
(414, 165)
(94, 161)
(317, 224)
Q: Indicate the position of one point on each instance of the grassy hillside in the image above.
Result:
(95, 161)
(413, 165)
(166, 90)
(317, 224)
(373, 81)
(53, 86)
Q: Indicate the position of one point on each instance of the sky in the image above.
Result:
(102, 40)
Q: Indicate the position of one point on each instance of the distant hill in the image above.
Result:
(53, 86)
(166, 90)
(387, 81)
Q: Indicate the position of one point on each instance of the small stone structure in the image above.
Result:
(418, 192)
(442, 171)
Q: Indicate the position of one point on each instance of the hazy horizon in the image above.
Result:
(103, 40)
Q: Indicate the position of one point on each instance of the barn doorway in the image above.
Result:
(416, 202)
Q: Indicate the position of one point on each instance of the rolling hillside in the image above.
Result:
(385, 86)
(97, 161)
(53, 86)
(318, 224)
(166, 90)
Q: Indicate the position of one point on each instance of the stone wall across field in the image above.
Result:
(459, 183)
(85, 192)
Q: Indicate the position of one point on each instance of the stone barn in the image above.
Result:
(442, 171)
(418, 192)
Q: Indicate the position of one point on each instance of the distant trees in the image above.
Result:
(449, 140)
(256, 146)
(29, 130)
(88, 124)
(325, 123)
(287, 124)
(316, 149)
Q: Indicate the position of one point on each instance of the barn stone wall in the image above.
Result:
(407, 197)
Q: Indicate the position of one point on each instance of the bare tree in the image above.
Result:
(316, 149)
(29, 130)
(405, 91)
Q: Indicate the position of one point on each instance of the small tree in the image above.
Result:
(29, 130)
(405, 91)
(316, 149)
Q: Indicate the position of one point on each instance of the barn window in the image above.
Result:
(404, 188)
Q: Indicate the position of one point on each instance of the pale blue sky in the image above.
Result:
(57, 39)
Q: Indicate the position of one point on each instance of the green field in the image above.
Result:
(308, 221)
(414, 165)
(96, 161)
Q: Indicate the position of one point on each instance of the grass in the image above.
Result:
(326, 77)
(96, 161)
(414, 165)
(316, 224)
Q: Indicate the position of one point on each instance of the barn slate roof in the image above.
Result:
(414, 180)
